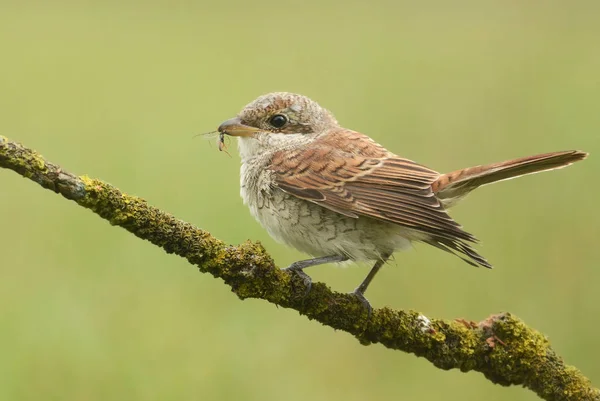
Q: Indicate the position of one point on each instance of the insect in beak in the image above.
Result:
(221, 143)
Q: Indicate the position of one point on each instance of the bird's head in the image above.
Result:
(279, 114)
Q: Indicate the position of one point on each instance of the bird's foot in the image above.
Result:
(300, 273)
(361, 297)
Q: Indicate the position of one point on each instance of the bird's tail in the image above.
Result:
(451, 187)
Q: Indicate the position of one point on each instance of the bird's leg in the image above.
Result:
(359, 292)
(299, 266)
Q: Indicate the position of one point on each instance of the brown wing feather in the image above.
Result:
(349, 173)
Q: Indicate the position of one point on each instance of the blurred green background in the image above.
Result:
(116, 90)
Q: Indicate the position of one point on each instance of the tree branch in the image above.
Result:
(501, 347)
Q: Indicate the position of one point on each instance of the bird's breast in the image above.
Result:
(310, 228)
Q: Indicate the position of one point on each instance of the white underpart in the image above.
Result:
(305, 225)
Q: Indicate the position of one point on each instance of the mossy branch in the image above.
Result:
(502, 347)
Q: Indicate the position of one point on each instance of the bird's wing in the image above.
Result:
(349, 173)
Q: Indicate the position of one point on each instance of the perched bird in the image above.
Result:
(337, 195)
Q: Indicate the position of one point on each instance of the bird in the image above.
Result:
(337, 195)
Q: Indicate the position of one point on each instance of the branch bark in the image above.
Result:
(502, 347)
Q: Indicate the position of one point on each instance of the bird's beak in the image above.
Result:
(234, 127)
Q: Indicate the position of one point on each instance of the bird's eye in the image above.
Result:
(278, 120)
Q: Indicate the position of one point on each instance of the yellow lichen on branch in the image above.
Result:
(502, 347)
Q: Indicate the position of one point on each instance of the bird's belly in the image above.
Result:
(318, 231)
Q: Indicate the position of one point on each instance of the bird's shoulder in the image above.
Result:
(340, 154)
(352, 143)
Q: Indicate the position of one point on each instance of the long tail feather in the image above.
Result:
(452, 186)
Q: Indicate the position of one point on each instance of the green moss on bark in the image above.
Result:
(501, 347)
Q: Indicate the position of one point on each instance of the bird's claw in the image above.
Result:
(364, 301)
(305, 277)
